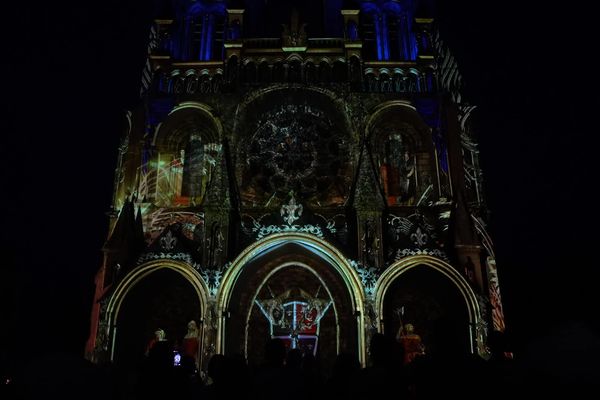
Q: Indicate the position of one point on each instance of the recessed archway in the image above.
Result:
(161, 294)
(438, 279)
(263, 258)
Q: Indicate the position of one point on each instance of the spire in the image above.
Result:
(139, 229)
(367, 192)
(464, 233)
(124, 227)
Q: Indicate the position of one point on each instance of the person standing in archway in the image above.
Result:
(411, 342)
(191, 341)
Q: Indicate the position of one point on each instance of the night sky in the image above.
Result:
(72, 70)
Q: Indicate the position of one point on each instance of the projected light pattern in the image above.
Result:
(295, 322)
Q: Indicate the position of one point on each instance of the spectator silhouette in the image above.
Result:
(385, 375)
(455, 371)
(218, 373)
(344, 377)
(57, 368)
(269, 382)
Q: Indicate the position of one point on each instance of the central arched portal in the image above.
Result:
(296, 287)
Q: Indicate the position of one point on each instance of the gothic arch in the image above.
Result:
(276, 270)
(322, 249)
(402, 149)
(400, 108)
(142, 271)
(188, 115)
(178, 161)
(398, 268)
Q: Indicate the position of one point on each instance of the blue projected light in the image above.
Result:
(403, 14)
(429, 111)
(208, 11)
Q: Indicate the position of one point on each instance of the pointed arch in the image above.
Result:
(400, 267)
(138, 274)
(321, 248)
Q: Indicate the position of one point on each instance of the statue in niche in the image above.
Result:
(215, 245)
(370, 243)
(193, 169)
(191, 341)
(398, 171)
(409, 340)
(159, 340)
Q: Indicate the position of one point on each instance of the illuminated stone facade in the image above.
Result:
(329, 164)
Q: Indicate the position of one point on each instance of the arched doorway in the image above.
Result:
(162, 294)
(307, 267)
(297, 304)
(431, 295)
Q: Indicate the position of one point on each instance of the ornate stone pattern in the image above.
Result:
(167, 256)
(288, 211)
(264, 231)
(191, 81)
(368, 276)
(414, 231)
(192, 223)
(482, 327)
(418, 234)
(213, 278)
(294, 147)
(403, 253)
(168, 242)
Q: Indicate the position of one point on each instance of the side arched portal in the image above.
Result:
(431, 292)
(162, 294)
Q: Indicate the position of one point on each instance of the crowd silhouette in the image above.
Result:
(286, 374)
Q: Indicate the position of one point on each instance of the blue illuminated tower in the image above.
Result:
(312, 153)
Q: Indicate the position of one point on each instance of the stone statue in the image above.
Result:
(191, 341)
(411, 342)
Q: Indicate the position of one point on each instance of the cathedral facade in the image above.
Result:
(304, 170)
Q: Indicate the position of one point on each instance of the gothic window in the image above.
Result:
(193, 167)
(387, 31)
(397, 169)
(176, 171)
(355, 72)
(413, 82)
(191, 84)
(167, 171)
(394, 36)
(369, 36)
(399, 82)
(352, 31)
(385, 83)
(294, 148)
(205, 28)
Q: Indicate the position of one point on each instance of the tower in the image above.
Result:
(302, 170)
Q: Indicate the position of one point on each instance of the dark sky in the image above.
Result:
(74, 67)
